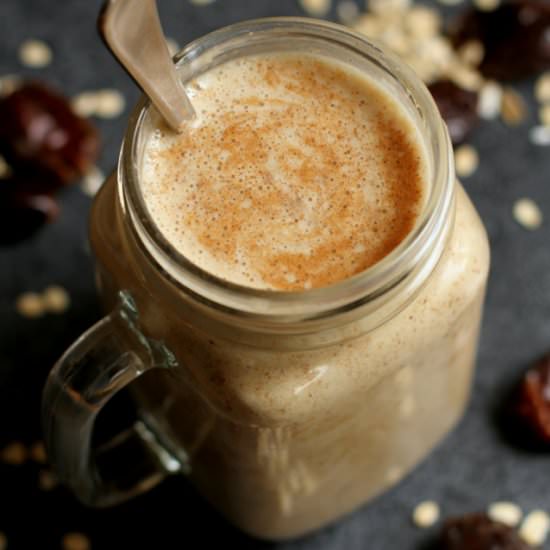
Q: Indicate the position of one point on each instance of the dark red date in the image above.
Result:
(43, 139)
(515, 36)
(478, 532)
(532, 402)
(457, 106)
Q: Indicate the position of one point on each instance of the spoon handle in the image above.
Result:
(132, 31)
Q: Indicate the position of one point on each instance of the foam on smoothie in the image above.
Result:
(298, 173)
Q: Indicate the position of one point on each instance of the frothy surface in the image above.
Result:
(297, 174)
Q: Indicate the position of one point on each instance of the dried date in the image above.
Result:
(43, 139)
(515, 36)
(478, 532)
(532, 401)
(457, 106)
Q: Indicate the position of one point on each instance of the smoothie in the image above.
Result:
(300, 172)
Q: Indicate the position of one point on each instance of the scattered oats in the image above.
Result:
(487, 5)
(47, 480)
(316, 8)
(513, 109)
(535, 527)
(173, 46)
(465, 77)
(544, 115)
(35, 53)
(425, 69)
(387, 8)
(407, 406)
(527, 213)
(542, 88)
(426, 514)
(103, 103)
(490, 98)
(15, 453)
(369, 25)
(92, 181)
(423, 22)
(55, 299)
(472, 52)
(3, 541)
(466, 161)
(505, 512)
(85, 104)
(414, 32)
(38, 453)
(540, 135)
(110, 103)
(202, 2)
(439, 51)
(9, 84)
(347, 11)
(431, 58)
(396, 40)
(75, 541)
(5, 170)
(394, 474)
(29, 304)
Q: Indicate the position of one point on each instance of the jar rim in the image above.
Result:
(365, 288)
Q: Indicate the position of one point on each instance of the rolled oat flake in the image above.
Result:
(527, 213)
(55, 299)
(35, 54)
(490, 99)
(38, 453)
(508, 513)
(14, 454)
(316, 8)
(5, 170)
(347, 11)
(85, 104)
(30, 305)
(92, 181)
(110, 103)
(542, 88)
(426, 514)
(47, 480)
(540, 135)
(466, 161)
(535, 527)
(513, 109)
(75, 541)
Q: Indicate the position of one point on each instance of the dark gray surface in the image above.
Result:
(472, 467)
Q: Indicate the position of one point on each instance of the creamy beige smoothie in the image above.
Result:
(299, 172)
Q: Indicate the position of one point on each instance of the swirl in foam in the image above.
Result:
(298, 173)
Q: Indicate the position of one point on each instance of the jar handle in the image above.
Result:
(105, 359)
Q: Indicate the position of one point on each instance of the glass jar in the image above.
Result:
(286, 409)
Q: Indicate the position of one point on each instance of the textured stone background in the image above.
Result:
(472, 467)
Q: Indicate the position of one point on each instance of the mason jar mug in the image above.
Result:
(285, 409)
